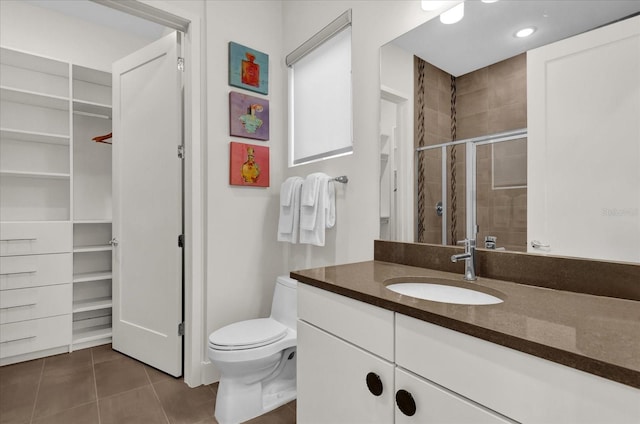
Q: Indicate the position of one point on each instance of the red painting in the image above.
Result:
(248, 165)
(250, 71)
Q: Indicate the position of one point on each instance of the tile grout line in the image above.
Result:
(156, 394)
(35, 401)
(95, 385)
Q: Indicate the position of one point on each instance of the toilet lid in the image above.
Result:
(247, 334)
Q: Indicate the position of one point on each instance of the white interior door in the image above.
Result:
(584, 144)
(147, 192)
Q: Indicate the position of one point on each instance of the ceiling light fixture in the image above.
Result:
(489, 1)
(525, 32)
(453, 15)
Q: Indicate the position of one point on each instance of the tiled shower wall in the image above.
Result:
(487, 101)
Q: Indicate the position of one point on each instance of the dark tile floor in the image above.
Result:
(102, 386)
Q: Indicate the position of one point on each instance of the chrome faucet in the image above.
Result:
(469, 257)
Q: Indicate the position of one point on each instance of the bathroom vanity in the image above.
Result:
(542, 355)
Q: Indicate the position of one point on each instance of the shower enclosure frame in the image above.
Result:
(471, 144)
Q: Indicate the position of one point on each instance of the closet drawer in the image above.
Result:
(35, 302)
(26, 238)
(18, 272)
(22, 337)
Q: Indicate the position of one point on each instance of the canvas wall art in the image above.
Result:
(248, 116)
(248, 165)
(248, 68)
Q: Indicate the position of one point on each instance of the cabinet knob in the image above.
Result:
(405, 402)
(374, 384)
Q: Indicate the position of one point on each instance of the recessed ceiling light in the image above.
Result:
(489, 1)
(525, 32)
(453, 15)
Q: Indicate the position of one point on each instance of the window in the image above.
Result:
(320, 106)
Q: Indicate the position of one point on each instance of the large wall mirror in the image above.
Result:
(528, 144)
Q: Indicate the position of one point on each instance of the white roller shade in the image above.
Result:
(320, 105)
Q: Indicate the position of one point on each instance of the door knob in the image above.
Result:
(405, 402)
(374, 384)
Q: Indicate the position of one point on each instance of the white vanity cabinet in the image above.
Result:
(332, 381)
(420, 401)
(433, 374)
(523, 387)
(347, 374)
(344, 347)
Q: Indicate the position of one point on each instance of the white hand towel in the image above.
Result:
(324, 214)
(309, 200)
(331, 208)
(310, 189)
(289, 221)
(286, 190)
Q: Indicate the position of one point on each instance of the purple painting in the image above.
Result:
(248, 116)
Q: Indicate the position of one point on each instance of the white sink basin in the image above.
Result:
(444, 293)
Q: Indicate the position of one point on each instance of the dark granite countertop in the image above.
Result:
(596, 334)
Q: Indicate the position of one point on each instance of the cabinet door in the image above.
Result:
(332, 381)
(428, 403)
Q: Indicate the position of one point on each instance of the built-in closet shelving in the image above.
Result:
(92, 259)
(35, 206)
(55, 206)
(35, 138)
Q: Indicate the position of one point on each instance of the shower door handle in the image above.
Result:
(538, 245)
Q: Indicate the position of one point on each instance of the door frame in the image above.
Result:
(404, 228)
(194, 349)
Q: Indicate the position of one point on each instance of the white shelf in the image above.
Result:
(86, 249)
(92, 76)
(91, 333)
(34, 137)
(92, 304)
(92, 109)
(35, 63)
(29, 174)
(92, 221)
(92, 276)
(35, 99)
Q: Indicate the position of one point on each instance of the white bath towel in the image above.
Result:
(289, 221)
(321, 215)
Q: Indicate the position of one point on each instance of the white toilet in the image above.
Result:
(257, 359)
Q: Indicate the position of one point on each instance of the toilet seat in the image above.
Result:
(248, 334)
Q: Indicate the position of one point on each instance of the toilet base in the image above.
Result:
(238, 401)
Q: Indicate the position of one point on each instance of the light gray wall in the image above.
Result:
(357, 214)
(243, 257)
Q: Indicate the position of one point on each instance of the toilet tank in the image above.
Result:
(284, 307)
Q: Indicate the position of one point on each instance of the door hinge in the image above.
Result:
(181, 151)
(181, 329)
(181, 64)
(181, 240)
